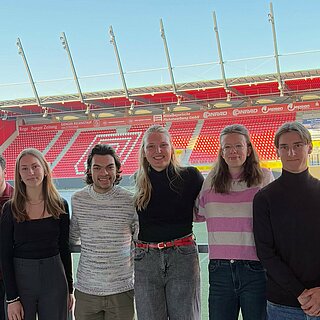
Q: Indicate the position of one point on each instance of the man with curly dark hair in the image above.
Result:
(104, 222)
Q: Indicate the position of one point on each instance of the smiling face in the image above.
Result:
(31, 171)
(234, 151)
(293, 152)
(158, 150)
(103, 171)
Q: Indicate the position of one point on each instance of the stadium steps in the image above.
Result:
(168, 125)
(52, 142)
(65, 149)
(193, 140)
(8, 142)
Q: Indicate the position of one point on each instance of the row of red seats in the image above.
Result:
(75, 145)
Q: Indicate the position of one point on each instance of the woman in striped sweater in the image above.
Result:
(237, 278)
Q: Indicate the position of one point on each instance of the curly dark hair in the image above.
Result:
(103, 149)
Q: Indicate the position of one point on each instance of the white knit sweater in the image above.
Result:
(104, 225)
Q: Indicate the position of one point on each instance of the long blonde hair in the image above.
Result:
(52, 200)
(143, 186)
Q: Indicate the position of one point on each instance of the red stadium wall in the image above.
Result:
(7, 128)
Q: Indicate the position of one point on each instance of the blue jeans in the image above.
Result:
(280, 312)
(235, 285)
(167, 283)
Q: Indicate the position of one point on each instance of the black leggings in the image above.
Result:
(42, 288)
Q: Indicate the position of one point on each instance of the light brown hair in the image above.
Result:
(52, 200)
(252, 173)
(295, 127)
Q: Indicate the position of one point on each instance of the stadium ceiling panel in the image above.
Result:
(155, 98)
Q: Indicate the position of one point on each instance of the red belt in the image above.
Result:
(187, 241)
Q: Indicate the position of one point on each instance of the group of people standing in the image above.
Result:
(263, 235)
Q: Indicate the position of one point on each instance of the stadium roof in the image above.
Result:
(191, 96)
(275, 88)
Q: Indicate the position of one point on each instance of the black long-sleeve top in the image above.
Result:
(286, 224)
(7, 195)
(169, 214)
(33, 239)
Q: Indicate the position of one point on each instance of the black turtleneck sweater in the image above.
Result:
(169, 213)
(286, 224)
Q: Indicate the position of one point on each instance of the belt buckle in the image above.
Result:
(161, 245)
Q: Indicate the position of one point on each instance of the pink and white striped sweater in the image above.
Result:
(229, 219)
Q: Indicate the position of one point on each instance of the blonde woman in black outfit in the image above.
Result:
(167, 276)
(36, 260)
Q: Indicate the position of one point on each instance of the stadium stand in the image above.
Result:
(67, 150)
(59, 145)
(75, 154)
(40, 140)
(261, 128)
(181, 133)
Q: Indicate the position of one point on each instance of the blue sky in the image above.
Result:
(243, 26)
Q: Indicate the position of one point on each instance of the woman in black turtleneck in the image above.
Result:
(167, 276)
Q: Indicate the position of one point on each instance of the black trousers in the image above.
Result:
(42, 288)
(2, 301)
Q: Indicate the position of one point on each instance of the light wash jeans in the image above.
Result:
(167, 283)
(235, 285)
(280, 312)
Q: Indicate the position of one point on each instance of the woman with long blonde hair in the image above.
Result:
(36, 260)
(167, 276)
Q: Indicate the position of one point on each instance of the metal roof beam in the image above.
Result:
(99, 104)
(170, 69)
(123, 79)
(281, 83)
(65, 45)
(165, 44)
(221, 62)
(58, 107)
(24, 58)
(227, 88)
(142, 100)
(16, 110)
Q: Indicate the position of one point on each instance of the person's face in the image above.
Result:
(103, 170)
(234, 150)
(158, 150)
(31, 171)
(2, 176)
(293, 152)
